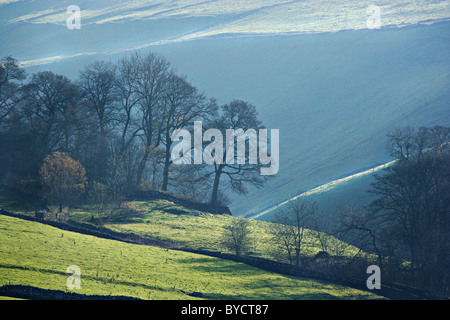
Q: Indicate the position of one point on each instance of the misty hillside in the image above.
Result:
(332, 94)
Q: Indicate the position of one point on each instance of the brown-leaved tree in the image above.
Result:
(62, 178)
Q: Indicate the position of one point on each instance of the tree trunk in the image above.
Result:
(215, 191)
(142, 164)
(166, 168)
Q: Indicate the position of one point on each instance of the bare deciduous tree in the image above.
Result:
(234, 116)
(363, 228)
(289, 228)
(183, 105)
(99, 90)
(46, 101)
(149, 81)
(236, 236)
(413, 198)
(100, 199)
(10, 76)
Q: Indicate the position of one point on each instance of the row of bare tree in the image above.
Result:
(117, 120)
(406, 227)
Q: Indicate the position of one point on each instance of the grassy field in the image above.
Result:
(39, 255)
(165, 221)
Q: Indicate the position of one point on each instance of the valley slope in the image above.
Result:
(332, 94)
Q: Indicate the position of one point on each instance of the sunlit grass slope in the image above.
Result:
(165, 221)
(38, 255)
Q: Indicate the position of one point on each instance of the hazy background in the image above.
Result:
(312, 68)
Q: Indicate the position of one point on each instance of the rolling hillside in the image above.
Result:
(313, 70)
(333, 96)
(38, 255)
